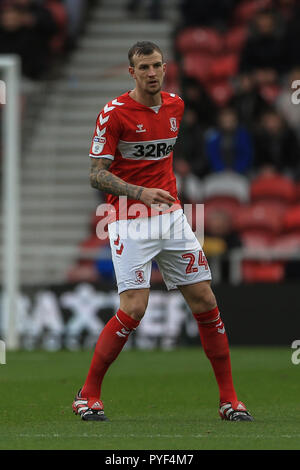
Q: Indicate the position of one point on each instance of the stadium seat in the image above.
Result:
(235, 38)
(226, 192)
(246, 10)
(226, 184)
(273, 187)
(224, 67)
(220, 92)
(93, 242)
(270, 92)
(229, 205)
(198, 65)
(171, 83)
(276, 207)
(297, 192)
(291, 220)
(83, 271)
(256, 239)
(288, 242)
(196, 39)
(173, 70)
(258, 225)
(263, 271)
(259, 217)
(59, 13)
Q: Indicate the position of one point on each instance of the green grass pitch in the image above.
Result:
(163, 400)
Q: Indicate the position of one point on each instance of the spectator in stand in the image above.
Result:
(26, 29)
(190, 143)
(210, 13)
(197, 99)
(154, 8)
(61, 17)
(276, 146)
(188, 184)
(291, 11)
(263, 52)
(285, 8)
(229, 145)
(247, 100)
(290, 110)
(76, 12)
(220, 238)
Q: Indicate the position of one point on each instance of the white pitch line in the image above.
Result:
(166, 436)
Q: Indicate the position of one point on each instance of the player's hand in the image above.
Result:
(154, 196)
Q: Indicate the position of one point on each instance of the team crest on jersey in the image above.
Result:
(139, 276)
(98, 145)
(173, 123)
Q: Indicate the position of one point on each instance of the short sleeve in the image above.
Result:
(106, 136)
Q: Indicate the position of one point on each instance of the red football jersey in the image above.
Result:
(140, 142)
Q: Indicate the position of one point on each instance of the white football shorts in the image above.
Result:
(168, 239)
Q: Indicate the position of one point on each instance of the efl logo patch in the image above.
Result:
(98, 144)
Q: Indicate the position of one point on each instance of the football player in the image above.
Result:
(131, 156)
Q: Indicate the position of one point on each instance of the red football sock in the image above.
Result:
(110, 343)
(215, 344)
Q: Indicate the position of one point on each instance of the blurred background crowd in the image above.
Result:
(40, 31)
(236, 64)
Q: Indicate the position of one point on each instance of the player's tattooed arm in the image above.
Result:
(101, 178)
(104, 180)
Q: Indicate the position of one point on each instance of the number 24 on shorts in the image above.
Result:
(191, 267)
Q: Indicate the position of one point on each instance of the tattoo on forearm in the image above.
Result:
(102, 179)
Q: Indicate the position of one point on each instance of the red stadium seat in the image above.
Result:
(270, 92)
(173, 71)
(235, 38)
(258, 225)
(297, 192)
(291, 220)
(224, 66)
(289, 242)
(263, 271)
(92, 243)
(259, 235)
(60, 16)
(276, 207)
(256, 239)
(230, 205)
(226, 185)
(171, 83)
(273, 187)
(199, 39)
(197, 65)
(83, 271)
(246, 10)
(220, 92)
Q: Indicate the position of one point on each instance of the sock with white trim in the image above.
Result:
(110, 343)
(215, 344)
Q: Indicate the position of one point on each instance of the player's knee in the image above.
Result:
(208, 301)
(134, 303)
(203, 299)
(137, 311)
